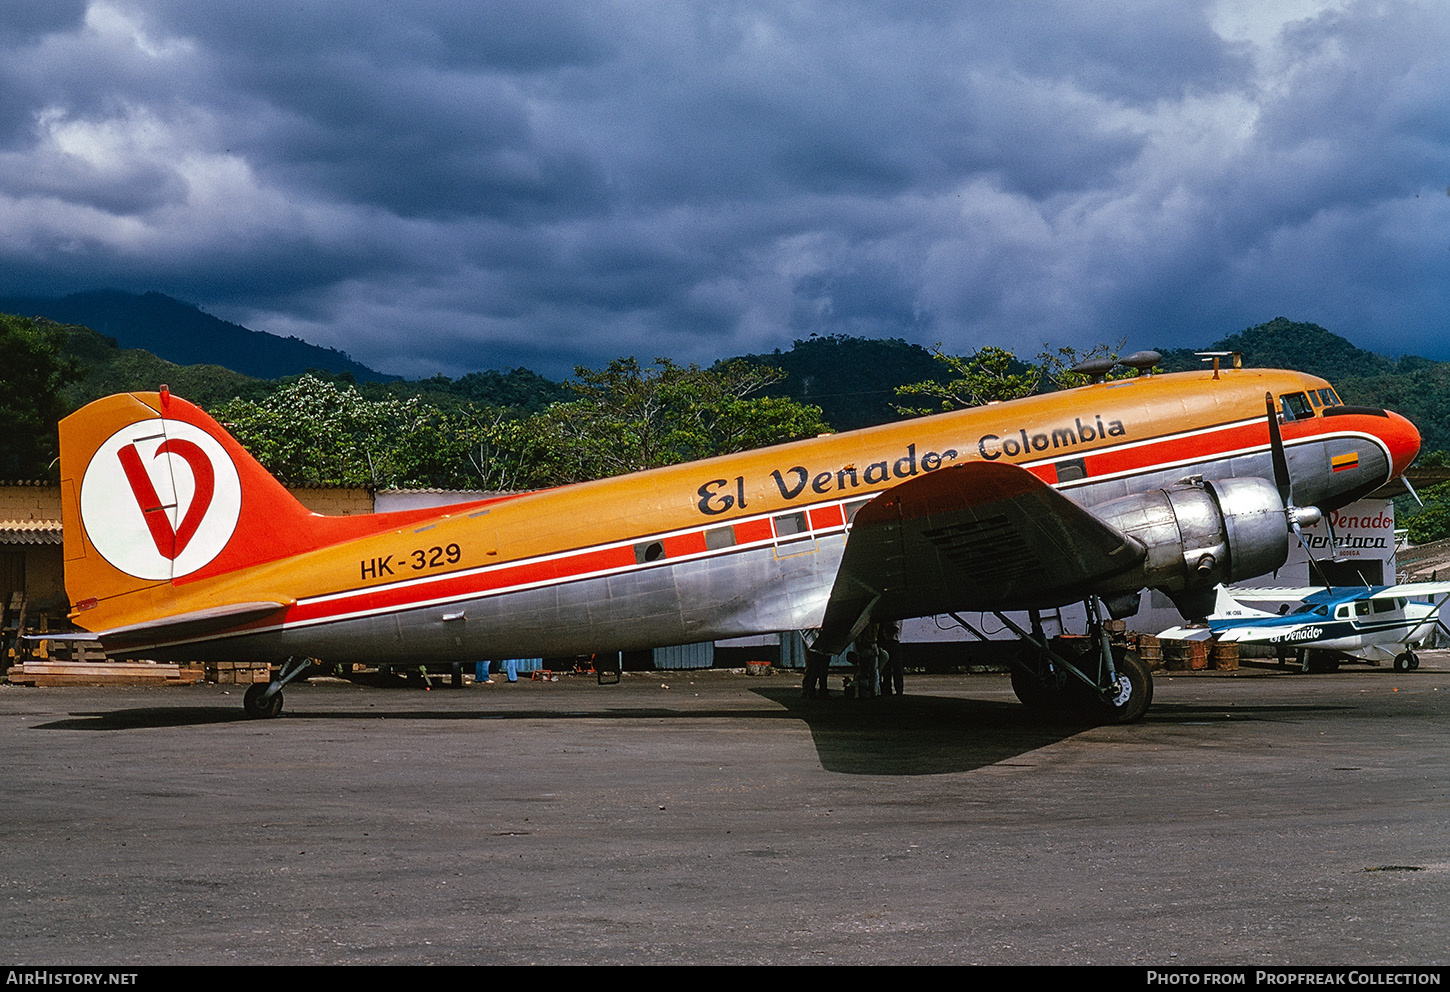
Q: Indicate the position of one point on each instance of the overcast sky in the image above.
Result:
(447, 186)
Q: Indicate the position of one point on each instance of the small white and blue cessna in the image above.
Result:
(1367, 623)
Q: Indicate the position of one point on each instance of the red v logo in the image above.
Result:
(170, 543)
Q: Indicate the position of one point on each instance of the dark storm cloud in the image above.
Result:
(442, 186)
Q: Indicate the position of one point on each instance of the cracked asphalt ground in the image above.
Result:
(1266, 819)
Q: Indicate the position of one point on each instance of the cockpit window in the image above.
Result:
(1327, 397)
(1295, 406)
(1318, 609)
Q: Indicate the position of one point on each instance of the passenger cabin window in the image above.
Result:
(1361, 609)
(1295, 406)
(649, 551)
(787, 524)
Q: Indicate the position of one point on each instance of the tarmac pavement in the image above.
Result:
(711, 817)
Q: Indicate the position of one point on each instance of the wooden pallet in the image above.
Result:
(51, 672)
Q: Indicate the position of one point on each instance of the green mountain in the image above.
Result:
(106, 368)
(185, 335)
(852, 380)
(1417, 387)
(1288, 344)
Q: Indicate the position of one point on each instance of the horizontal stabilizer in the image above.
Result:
(1185, 634)
(173, 628)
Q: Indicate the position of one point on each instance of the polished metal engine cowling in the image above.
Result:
(1198, 534)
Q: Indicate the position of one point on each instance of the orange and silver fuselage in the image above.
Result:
(739, 544)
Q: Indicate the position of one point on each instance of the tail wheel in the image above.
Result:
(259, 708)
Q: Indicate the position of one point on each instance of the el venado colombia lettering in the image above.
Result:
(722, 495)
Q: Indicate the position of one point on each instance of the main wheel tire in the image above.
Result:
(1414, 661)
(259, 708)
(1131, 695)
(1402, 661)
(1034, 692)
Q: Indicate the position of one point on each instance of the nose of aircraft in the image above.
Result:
(1403, 440)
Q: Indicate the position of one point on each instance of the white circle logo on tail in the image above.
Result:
(160, 499)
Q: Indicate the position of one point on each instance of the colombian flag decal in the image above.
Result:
(1341, 462)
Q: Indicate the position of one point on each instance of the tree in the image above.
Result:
(313, 432)
(853, 380)
(630, 417)
(35, 370)
(1430, 521)
(992, 374)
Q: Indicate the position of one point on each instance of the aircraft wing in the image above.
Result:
(978, 536)
(1274, 593)
(1411, 589)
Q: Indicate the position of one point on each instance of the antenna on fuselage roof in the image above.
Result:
(1215, 356)
(1097, 369)
(1142, 361)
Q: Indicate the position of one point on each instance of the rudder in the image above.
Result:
(154, 492)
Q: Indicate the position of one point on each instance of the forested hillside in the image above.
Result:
(186, 335)
(1416, 387)
(510, 429)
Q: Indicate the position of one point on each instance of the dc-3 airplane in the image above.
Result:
(178, 544)
(1370, 623)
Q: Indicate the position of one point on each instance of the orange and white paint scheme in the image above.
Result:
(179, 544)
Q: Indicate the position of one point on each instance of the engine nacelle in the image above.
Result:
(1200, 534)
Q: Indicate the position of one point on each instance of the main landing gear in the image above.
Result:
(264, 701)
(1089, 677)
(1406, 661)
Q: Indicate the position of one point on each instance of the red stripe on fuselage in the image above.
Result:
(1136, 457)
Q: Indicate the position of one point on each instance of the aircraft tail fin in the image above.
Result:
(156, 495)
(1227, 607)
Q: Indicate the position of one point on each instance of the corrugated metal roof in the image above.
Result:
(30, 532)
(1423, 561)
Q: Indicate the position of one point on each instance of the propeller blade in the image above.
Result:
(1276, 449)
(1334, 554)
(1298, 517)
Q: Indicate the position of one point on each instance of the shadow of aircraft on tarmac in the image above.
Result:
(904, 735)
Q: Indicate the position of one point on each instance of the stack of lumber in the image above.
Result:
(84, 663)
